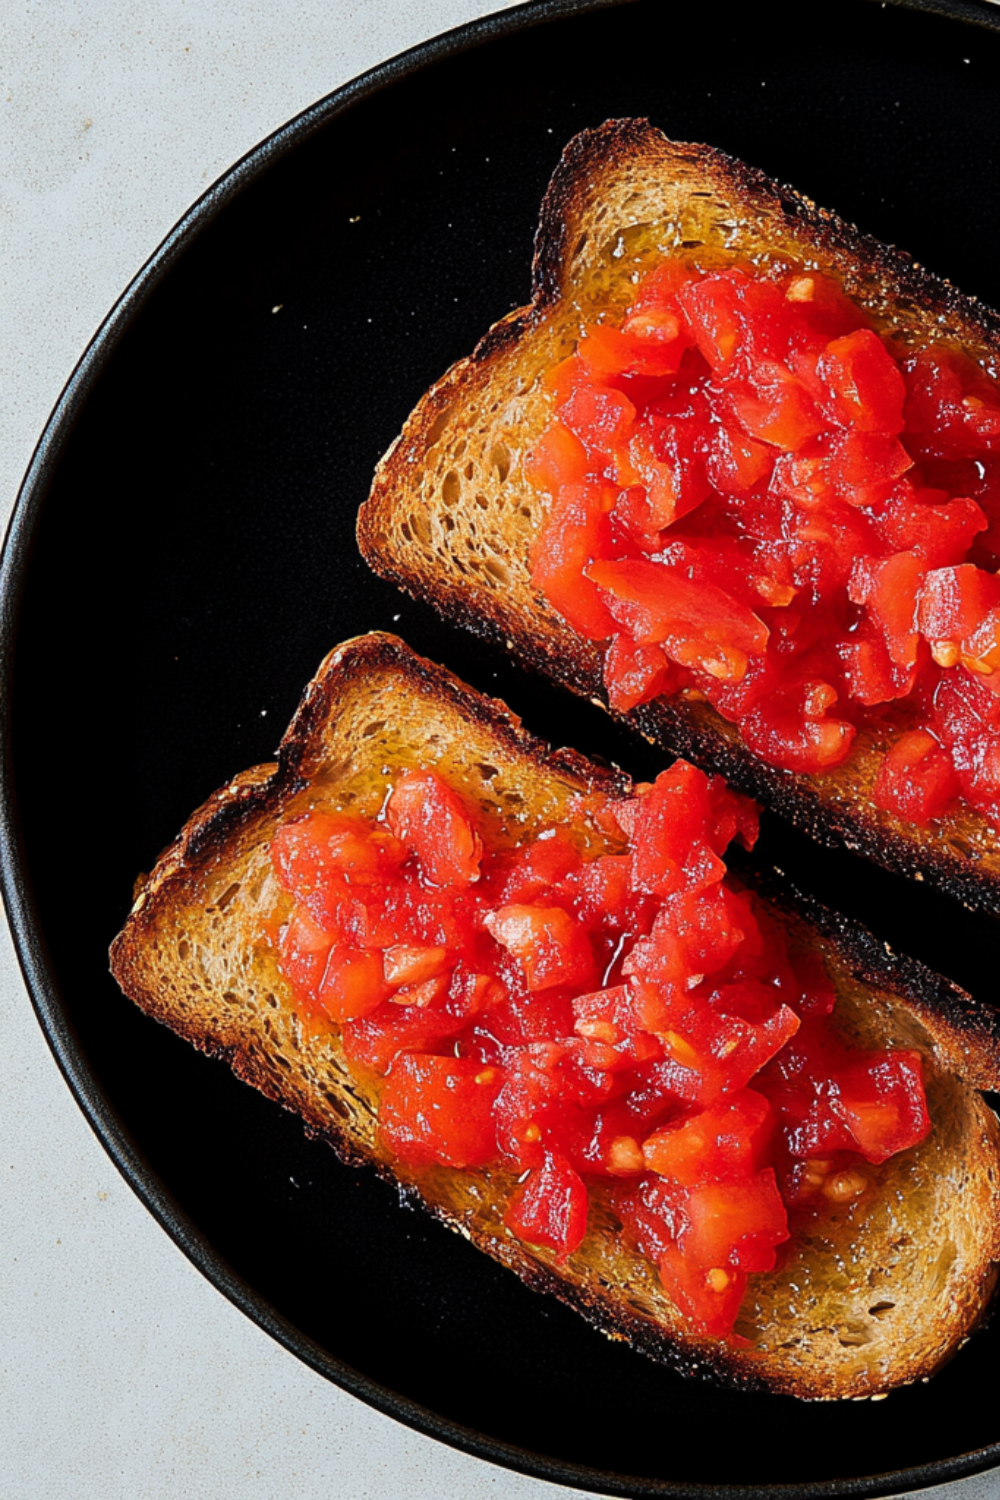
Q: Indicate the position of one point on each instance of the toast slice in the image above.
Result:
(452, 518)
(921, 1258)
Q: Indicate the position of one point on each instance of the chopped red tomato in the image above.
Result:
(439, 1109)
(790, 728)
(752, 498)
(426, 815)
(697, 624)
(634, 674)
(604, 1007)
(864, 381)
(549, 945)
(578, 531)
(958, 613)
(916, 780)
(550, 1207)
(352, 984)
(377, 1039)
(723, 1141)
(881, 1101)
(708, 1296)
(304, 947)
(736, 1222)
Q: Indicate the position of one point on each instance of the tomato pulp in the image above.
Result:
(618, 1018)
(756, 500)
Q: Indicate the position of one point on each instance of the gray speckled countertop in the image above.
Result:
(123, 1374)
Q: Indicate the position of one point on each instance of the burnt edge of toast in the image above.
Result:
(698, 735)
(634, 141)
(702, 735)
(247, 794)
(967, 1037)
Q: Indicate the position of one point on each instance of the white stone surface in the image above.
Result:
(123, 1374)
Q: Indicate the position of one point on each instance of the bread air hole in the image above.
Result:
(880, 1309)
(500, 460)
(498, 570)
(421, 527)
(337, 1105)
(854, 1334)
(438, 426)
(451, 488)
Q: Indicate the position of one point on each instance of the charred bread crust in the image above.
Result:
(960, 853)
(883, 275)
(966, 1033)
(618, 1293)
(267, 787)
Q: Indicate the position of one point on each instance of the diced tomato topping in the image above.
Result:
(958, 613)
(966, 720)
(864, 381)
(600, 1005)
(881, 1101)
(791, 728)
(352, 984)
(306, 851)
(774, 407)
(942, 530)
(723, 1141)
(671, 833)
(376, 1040)
(609, 1016)
(916, 780)
(888, 589)
(751, 497)
(402, 964)
(736, 462)
(734, 1223)
(578, 531)
(550, 1207)
(708, 1296)
(537, 867)
(602, 419)
(304, 947)
(697, 624)
(634, 674)
(439, 1109)
(549, 945)
(952, 408)
(426, 815)
(558, 458)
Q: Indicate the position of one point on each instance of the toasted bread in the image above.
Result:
(451, 516)
(875, 1296)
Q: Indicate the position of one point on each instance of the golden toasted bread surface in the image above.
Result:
(877, 1294)
(452, 516)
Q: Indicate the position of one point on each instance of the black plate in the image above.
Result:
(182, 556)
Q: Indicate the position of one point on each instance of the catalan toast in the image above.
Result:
(872, 1298)
(452, 517)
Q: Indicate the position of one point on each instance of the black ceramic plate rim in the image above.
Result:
(19, 900)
